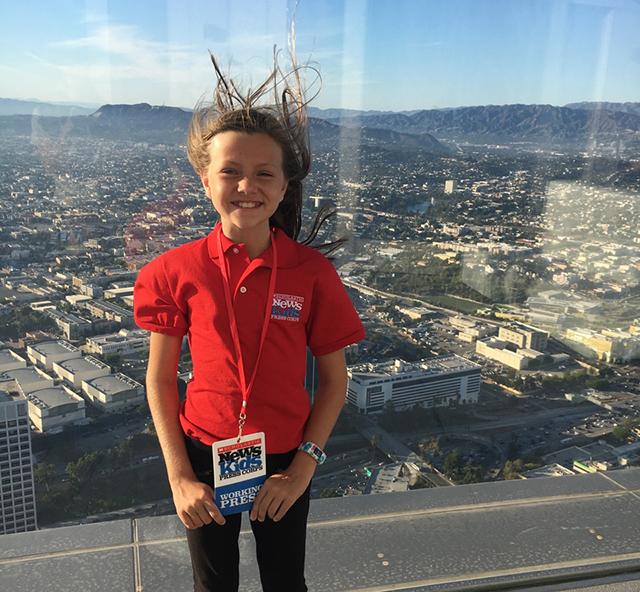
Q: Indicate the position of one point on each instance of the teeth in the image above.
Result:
(247, 205)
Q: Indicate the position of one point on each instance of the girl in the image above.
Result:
(250, 299)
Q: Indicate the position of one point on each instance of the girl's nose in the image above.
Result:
(246, 185)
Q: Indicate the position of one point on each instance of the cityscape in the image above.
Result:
(482, 160)
(497, 274)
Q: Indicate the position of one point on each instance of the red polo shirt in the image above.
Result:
(181, 293)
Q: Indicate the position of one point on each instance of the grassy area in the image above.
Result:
(453, 303)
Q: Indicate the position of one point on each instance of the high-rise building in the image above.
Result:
(450, 186)
(434, 382)
(17, 493)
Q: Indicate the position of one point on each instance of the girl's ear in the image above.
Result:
(205, 182)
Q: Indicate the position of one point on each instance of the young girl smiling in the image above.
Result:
(251, 300)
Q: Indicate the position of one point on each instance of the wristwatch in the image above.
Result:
(314, 451)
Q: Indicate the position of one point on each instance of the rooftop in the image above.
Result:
(54, 348)
(49, 398)
(113, 383)
(526, 534)
(29, 377)
(429, 366)
(86, 364)
(9, 358)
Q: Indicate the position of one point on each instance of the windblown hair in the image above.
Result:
(283, 118)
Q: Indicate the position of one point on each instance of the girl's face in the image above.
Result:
(245, 182)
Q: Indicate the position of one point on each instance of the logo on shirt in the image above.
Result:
(287, 307)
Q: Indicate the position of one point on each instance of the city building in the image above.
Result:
(25, 380)
(612, 346)
(497, 349)
(524, 336)
(113, 392)
(17, 495)
(110, 312)
(74, 371)
(434, 382)
(414, 312)
(9, 360)
(450, 186)
(118, 292)
(470, 330)
(124, 341)
(45, 354)
(51, 409)
(72, 326)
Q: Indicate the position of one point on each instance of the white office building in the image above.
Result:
(53, 408)
(46, 353)
(74, 371)
(113, 392)
(124, 341)
(17, 493)
(25, 380)
(434, 382)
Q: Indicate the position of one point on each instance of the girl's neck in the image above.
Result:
(255, 240)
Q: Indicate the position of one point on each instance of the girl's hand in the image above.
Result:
(195, 504)
(278, 493)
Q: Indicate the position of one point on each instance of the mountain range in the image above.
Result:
(574, 123)
(168, 125)
(509, 122)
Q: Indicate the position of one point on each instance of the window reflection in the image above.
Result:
(500, 240)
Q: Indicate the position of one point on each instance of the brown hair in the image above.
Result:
(284, 120)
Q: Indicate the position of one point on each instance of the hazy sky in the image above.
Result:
(372, 54)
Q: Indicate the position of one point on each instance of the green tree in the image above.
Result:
(114, 360)
(83, 469)
(512, 469)
(44, 474)
(452, 463)
(624, 431)
(513, 451)
(374, 446)
(471, 474)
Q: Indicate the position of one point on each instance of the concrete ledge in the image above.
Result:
(494, 536)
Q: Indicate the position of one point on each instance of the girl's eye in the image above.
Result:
(265, 174)
(229, 172)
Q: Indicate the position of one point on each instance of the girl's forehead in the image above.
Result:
(244, 145)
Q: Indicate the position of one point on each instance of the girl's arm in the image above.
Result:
(192, 498)
(280, 491)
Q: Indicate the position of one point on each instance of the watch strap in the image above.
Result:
(314, 451)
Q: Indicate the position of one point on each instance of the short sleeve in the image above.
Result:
(333, 321)
(154, 306)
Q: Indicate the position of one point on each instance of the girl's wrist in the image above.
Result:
(302, 465)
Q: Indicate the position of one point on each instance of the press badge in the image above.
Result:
(239, 470)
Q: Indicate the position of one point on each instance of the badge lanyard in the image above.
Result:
(246, 388)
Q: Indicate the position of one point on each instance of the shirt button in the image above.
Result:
(236, 250)
(243, 289)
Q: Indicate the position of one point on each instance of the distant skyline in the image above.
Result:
(372, 54)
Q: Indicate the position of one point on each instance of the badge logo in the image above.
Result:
(239, 470)
(287, 307)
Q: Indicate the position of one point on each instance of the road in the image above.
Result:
(398, 451)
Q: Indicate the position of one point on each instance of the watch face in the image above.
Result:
(312, 450)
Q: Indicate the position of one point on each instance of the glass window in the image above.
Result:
(483, 161)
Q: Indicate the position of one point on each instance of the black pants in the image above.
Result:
(280, 545)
